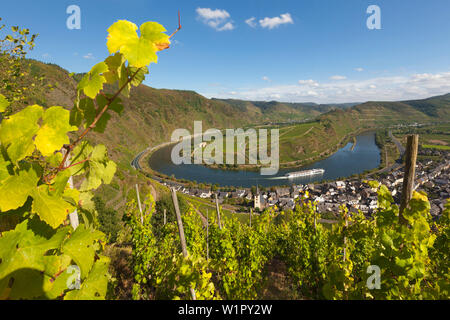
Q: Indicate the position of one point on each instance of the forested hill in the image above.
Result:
(287, 110)
(373, 113)
(150, 115)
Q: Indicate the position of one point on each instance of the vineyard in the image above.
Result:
(226, 260)
(51, 246)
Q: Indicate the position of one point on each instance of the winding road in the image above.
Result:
(400, 147)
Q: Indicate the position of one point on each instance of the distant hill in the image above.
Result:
(384, 113)
(277, 111)
(157, 112)
(150, 116)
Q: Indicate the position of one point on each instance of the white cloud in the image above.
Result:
(251, 22)
(46, 55)
(226, 26)
(208, 14)
(276, 21)
(392, 88)
(337, 77)
(309, 82)
(89, 56)
(265, 78)
(275, 96)
(359, 69)
(216, 19)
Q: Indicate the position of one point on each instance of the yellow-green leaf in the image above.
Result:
(50, 208)
(4, 103)
(93, 81)
(120, 33)
(53, 133)
(15, 189)
(17, 132)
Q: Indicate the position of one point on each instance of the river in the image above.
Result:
(343, 163)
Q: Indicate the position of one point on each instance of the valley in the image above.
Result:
(308, 132)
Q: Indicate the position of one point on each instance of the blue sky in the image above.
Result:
(308, 50)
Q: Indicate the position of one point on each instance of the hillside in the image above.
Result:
(157, 112)
(337, 126)
(150, 116)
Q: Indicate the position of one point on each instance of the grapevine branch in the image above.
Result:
(179, 25)
(97, 118)
(110, 101)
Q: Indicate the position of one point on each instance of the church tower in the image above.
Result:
(257, 199)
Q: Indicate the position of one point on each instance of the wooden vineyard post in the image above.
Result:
(207, 235)
(218, 213)
(73, 216)
(165, 219)
(139, 203)
(181, 232)
(410, 170)
(315, 220)
(345, 238)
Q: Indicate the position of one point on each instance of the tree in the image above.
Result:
(108, 219)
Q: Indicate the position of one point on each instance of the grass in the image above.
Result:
(438, 147)
(203, 205)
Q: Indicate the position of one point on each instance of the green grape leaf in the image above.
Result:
(100, 126)
(53, 133)
(51, 208)
(81, 152)
(55, 159)
(55, 288)
(72, 196)
(80, 247)
(4, 164)
(120, 33)
(56, 276)
(4, 103)
(95, 285)
(60, 181)
(98, 169)
(115, 106)
(99, 153)
(115, 68)
(154, 32)
(15, 189)
(86, 111)
(86, 201)
(140, 75)
(17, 132)
(93, 81)
(139, 51)
(22, 255)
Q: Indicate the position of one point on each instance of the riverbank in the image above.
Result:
(341, 164)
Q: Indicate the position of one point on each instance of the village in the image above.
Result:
(432, 176)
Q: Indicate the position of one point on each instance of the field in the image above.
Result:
(430, 136)
(438, 147)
